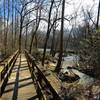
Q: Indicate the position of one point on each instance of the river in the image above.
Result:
(72, 61)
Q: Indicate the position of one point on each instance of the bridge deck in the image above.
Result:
(20, 85)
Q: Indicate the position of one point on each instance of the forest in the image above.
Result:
(63, 36)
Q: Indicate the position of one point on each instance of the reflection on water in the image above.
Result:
(70, 60)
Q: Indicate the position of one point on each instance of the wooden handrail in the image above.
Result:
(34, 78)
(5, 73)
(5, 69)
(38, 75)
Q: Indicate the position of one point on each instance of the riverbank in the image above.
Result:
(84, 88)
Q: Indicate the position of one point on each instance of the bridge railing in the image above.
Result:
(40, 79)
(5, 73)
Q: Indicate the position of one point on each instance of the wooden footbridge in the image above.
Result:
(22, 79)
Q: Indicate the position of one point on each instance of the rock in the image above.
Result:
(68, 77)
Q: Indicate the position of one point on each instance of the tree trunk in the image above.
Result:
(12, 22)
(15, 31)
(20, 34)
(58, 67)
(53, 43)
(36, 42)
(97, 24)
(26, 37)
(48, 32)
(37, 25)
(5, 35)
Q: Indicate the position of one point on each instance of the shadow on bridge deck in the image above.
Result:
(20, 85)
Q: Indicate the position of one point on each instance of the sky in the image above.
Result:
(76, 6)
(72, 6)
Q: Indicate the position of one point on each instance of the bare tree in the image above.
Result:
(52, 51)
(48, 32)
(26, 31)
(23, 14)
(12, 22)
(58, 67)
(38, 16)
(15, 25)
(1, 28)
(5, 35)
(53, 41)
